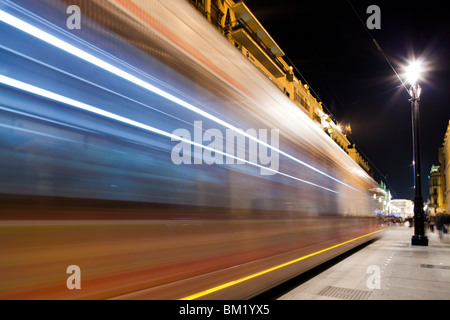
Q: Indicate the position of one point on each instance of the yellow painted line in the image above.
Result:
(232, 283)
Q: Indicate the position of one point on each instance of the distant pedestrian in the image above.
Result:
(440, 225)
(432, 223)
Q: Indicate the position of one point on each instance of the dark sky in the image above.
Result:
(335, 53)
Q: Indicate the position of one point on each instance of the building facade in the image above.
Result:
(403, 207)
(238, 24)
(436, 202)
(439, 179)
(444, 159)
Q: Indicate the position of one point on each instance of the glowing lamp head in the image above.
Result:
(413, 72)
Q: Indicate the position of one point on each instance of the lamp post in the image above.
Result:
(419, 237)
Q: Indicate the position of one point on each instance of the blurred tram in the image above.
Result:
(146, 150)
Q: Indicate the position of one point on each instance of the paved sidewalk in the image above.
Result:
(387, 269)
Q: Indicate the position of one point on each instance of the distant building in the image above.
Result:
(444, 159)
(403, 207)
(383, 195)
(238, 24)
(436, 203)
(440, 179)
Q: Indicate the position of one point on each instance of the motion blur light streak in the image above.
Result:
(51, 95)
(36, 117)
(90, 83)
(34, 132)
(19, 24)
(88, 124)
(229, 284)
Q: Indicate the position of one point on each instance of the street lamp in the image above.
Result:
(413, 74)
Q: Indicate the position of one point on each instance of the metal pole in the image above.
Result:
(419, 237)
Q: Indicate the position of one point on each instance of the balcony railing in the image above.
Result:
(240, 24)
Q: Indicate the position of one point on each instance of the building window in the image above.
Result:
(200, 5)
(299, 99)
(216, 14)
(316, 117)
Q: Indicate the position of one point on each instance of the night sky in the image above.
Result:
(335, 53)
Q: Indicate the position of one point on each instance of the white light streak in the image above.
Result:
(80, 105)
(50, 39)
